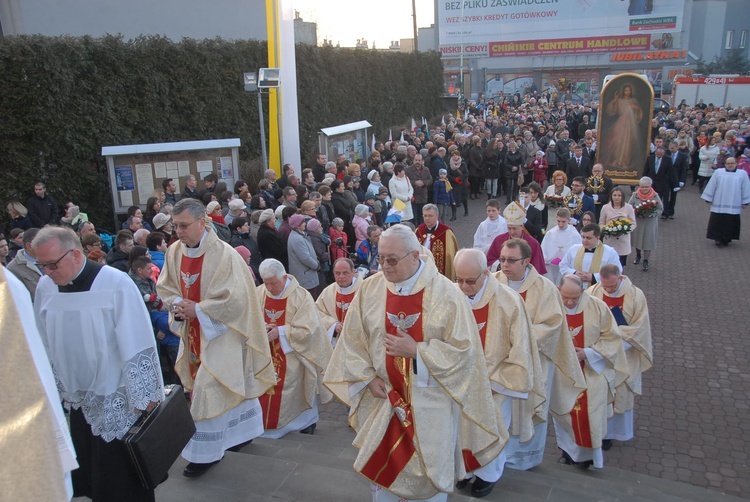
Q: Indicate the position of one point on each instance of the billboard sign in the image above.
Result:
(553, 27)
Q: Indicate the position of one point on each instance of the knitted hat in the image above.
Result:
(265, 216)
(296, 220)
(212, 206)
(313, 225)
(372, 174)
(236, 204)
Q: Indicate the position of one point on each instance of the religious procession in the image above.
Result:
(254, 307)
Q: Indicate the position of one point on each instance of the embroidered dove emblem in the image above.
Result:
(343, 306)
(273, 315)
(189, 279)
(402, 321)
(574, 332)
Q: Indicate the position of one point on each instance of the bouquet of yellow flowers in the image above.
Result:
(617, 227)
(554, 201)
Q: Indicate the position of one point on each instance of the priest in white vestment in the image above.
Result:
(224, 360)
(728, 192)
(36, 474)
(100, 343)
(300, 351)
(556, 243)
(599, 350)
(560, 372)
(585, 259)
(511, 355)
(333, 303)
(630, 310)
(411, 368)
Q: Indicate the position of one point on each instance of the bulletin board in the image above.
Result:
(135, 171)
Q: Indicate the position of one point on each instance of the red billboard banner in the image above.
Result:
(579, 45)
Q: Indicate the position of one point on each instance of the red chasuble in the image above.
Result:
(274, 312)
(190, 287)
(580, 413)
(438, 245)
(480, 316)
(342, 304)
(397, 446)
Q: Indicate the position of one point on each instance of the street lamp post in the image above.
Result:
(251, 85)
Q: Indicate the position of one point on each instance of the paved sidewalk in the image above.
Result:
(690, 422)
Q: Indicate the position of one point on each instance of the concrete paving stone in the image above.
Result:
(338, 485)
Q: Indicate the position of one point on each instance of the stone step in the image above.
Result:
(319, 467)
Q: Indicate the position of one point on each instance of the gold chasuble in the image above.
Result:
(592, 326)
(443, 246)
(547, 314)
(409, 443)
(333, 304)
(235, 366)
(32, 469)
(511, 355)
(299, 373)
(630, 310)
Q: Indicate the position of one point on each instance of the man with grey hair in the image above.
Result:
(224, 359)
(333, 303)
(24, 264)
(140, 236)
(511, 355)
(299, 349)
(409, 326)
(598, 347)
(81, 304)
(438, 238)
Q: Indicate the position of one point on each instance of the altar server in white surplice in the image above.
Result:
(99, 339)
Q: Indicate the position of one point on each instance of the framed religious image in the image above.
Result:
(624, 127)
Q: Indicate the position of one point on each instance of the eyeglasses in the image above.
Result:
(52, 265)
(510, 260)
(468, 282)
(184, 226)
(391, 262)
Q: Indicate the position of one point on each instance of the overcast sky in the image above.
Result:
(379, 21)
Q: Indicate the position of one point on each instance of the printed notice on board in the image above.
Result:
(160, 169)
(126, 198)
(145, 178)
(124, 178)
(183, 167)
(205, 166)
(226, 169)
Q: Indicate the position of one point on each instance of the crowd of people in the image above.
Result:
(348, 281)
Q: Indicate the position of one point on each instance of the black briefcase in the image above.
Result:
(155, 441)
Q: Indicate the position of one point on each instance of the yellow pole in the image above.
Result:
(274, 147)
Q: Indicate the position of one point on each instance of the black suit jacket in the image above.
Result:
(666, 179)
(681, 166)
(572, 169)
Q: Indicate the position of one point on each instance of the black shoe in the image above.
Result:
(193, 470)
(462, 484)
(671, 217)
(719, 244)
(645, 265)
(309, 430)
(238, 447)
(606, 444)
(565, 459)
(637, 259)
(664, 217)
(584, 465)
(481, 488)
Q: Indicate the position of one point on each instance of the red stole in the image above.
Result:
(342, 304)
(274, 312)
(190, 287)
(397, 446)
(580, 412)
(438, 244)
(480, 316)
(615, 304)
